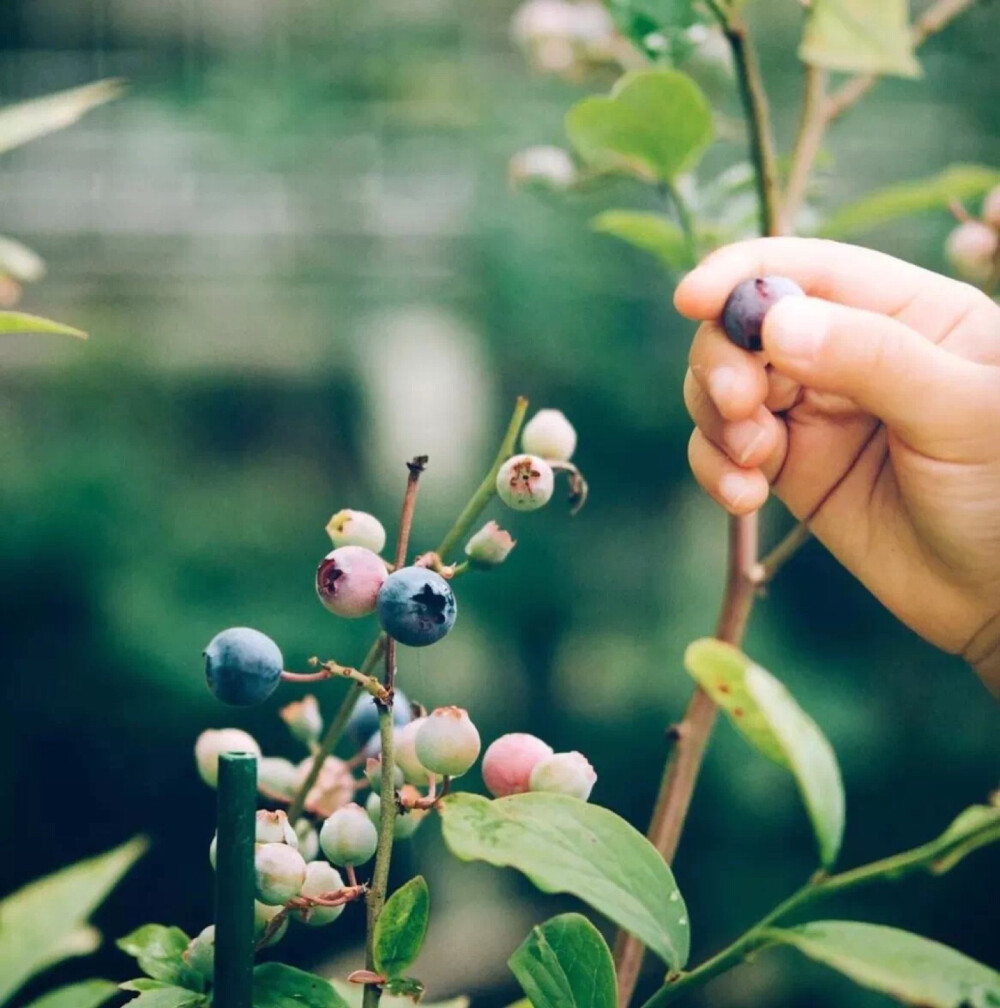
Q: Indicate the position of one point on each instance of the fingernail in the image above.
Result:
(744, 438)
(736, 489)
(796, 327)
(724, 384)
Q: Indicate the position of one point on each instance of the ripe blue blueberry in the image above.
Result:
(416, 606)
(745, 308)
(363, 722)
(242, 666)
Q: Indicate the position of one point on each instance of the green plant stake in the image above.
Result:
(234, 881)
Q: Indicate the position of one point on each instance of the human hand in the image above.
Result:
(874, 413)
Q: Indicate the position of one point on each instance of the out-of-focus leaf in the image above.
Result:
(566, 845)
(44, 922)
(957, 182)
(20, 322)
(859, 36)
(156, 994)
(20, 262)
(401, 928)
(85, 994)
(906, 966)
(276, 985)
(27, 120)
(159, 950)
(654, 124)
(565, 963)
(766, 714)
(648, 231)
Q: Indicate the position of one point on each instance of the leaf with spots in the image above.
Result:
(768, 717)
(565, 845)
(565, 963)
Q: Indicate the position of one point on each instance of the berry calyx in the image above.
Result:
(242, 666)
(348, 581)
(274, 827)
(525, 482)
(279, 871)
(549, 435)
(348, 836)
(212, 742)
(356, 528)
(416, 606)
(745, 308)
(509, 760)
(489, 547)
(447, 742)
(567, 773)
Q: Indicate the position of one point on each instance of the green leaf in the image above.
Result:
(858, 36)
(155, 994)
(353, 994)
(565, 845)
(975, 827)
(44, 922)
(654, 124)
(401, 928)
(34, 118)
(566, 963)
(159, 950)
(906, 966)
(21, 322)
(765, 713)
(276, 985)
(140, 984)
(957, 182)
(648, 231)
(85, 994)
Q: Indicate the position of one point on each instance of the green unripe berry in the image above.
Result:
(321, 880)
(373, 772)
(447, 742)
(279, 872)
(348, 836)
(215, 741)
(200, 953)
(566, 773)
(405, 824)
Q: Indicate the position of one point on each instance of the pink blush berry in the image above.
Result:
(508, 762)
(349, 579)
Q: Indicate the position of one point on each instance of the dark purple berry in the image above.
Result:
(744, 311)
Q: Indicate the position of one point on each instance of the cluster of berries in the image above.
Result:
(973, 248)
(518, 762)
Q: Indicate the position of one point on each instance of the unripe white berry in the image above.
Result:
(348, 836)
(262, 917)
(274, 827)
(321, 880)
(404, 746)
(279, 872)
(550, 435)
(405, 824)
(447, 742)
(276, 776)
(566, 773)
(200, 953)
(356, 528)
(211, 743)
(525, 482)
(308, 839)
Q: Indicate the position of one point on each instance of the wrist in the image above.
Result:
(983, 653)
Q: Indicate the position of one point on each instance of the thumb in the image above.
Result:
(934, 400)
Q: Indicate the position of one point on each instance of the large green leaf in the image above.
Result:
(159, 950)
(957, 182)
(566, 845)
(21, 322)
(353, 995)
(655, 124)
(765, 713)
(648, 231)
(34, 118)
(85, 994)
(906, 966)
(860, 36)
(401, 928)
(45, 921)
(276, 985)
(566, 963)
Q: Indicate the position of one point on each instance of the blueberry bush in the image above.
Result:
(376, 764)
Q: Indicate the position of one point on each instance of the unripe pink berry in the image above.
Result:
(356, 528)
(274, 827)
(567, 773)
(525, 482)
(334, 786)
(304, 719)
(550, 435)
(214, 741)
(348, 581)
(508, 762)
(447, 742)
(971, 249)
(490, 546)
(321, 880)
(406, 754)
(279, 872)
(348, 836)
(991, 208)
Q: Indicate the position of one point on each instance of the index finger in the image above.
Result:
(835, 271)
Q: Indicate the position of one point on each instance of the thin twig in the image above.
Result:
(768, 568)
(812, 126)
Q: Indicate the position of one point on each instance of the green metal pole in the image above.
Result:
(234, 881)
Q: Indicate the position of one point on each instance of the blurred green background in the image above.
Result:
(300, 262)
